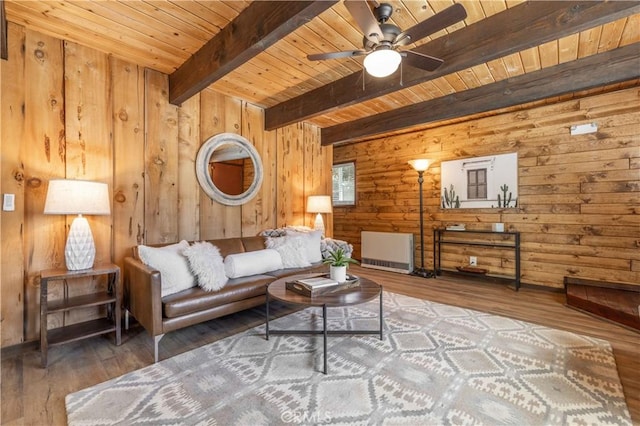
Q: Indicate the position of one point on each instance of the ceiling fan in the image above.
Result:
(382, 40)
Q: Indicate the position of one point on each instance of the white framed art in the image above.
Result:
(480, 182)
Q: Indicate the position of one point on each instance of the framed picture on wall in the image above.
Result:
(480, 182)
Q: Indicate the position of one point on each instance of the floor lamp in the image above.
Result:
(420, 166)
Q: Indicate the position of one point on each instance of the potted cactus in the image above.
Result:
(338, 262)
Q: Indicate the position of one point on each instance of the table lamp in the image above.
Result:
(81, 197)
(319, 204)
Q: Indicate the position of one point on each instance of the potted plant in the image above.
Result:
(338, 262)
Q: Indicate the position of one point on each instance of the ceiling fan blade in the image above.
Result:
(437, 22)
(336, 55)
(365, 19)
(421, 61)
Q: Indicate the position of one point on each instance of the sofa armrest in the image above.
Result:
(142, 294)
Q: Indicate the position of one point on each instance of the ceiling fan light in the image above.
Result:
(382, 63)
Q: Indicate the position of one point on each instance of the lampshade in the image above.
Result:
(382, 62)
(79, 197)
(319, 204)
(66, 196)
(420, 165)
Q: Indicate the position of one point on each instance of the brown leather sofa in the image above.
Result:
(142, 286)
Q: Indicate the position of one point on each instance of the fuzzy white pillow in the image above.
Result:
(292, 249)
(207, 265)
(174, 269)
(312, 243)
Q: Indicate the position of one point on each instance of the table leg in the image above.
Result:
(43, 323)
(267, 322)
(117, 311)
(324, 332)
(381, 338)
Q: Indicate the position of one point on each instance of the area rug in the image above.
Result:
(437, 364)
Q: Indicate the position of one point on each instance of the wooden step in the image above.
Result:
(618, 302)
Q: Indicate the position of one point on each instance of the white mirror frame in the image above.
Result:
(204, 177)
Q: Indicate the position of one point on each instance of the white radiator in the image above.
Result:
(387, 251)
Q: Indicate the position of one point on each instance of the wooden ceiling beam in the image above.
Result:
(610, 67)
(518, 28)
(256, 28)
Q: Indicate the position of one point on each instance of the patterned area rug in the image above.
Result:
(437, 364)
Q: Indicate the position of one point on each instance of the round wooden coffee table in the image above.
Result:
(366, 291)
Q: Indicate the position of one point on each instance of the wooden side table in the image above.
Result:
(112, 299)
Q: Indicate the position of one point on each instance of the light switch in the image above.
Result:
(9, 202)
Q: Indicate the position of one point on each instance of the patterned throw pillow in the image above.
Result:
(329, 245)
(278, 232)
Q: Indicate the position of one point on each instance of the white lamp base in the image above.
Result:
(80, 251)
(319, 224)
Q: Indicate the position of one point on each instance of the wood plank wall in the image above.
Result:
(579, 196)
(69, 111)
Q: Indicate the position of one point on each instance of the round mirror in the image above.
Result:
(229, 169)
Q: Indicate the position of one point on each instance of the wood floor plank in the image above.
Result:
(35, 396)
(12, 391)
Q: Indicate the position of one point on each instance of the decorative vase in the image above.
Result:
(338, 273)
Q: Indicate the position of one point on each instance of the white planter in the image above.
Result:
(338, 273)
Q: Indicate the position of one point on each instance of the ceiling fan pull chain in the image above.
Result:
(401, 74)
(364, 77)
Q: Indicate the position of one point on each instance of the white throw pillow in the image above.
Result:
(312, 243)
(292, 249)
(207, 264)
(252, 263)
(174, 269)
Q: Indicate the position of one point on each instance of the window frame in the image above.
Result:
(348, 203)
(473, 192)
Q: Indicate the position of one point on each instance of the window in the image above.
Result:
(344, 184)
(477, 184)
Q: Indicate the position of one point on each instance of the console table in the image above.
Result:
(474, 238)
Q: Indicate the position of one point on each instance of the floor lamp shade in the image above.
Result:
(420, 165)
(81, 197)
(319, 204)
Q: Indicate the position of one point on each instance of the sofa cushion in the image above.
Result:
(252, 263)
(197, 300)
(292, 249)
(207, 265)
(253, 243)
(172, 264)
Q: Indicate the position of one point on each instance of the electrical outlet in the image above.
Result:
(473, 261)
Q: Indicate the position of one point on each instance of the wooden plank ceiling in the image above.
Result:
(497, 42)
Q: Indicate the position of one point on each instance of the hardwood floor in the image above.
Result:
(35, 396)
